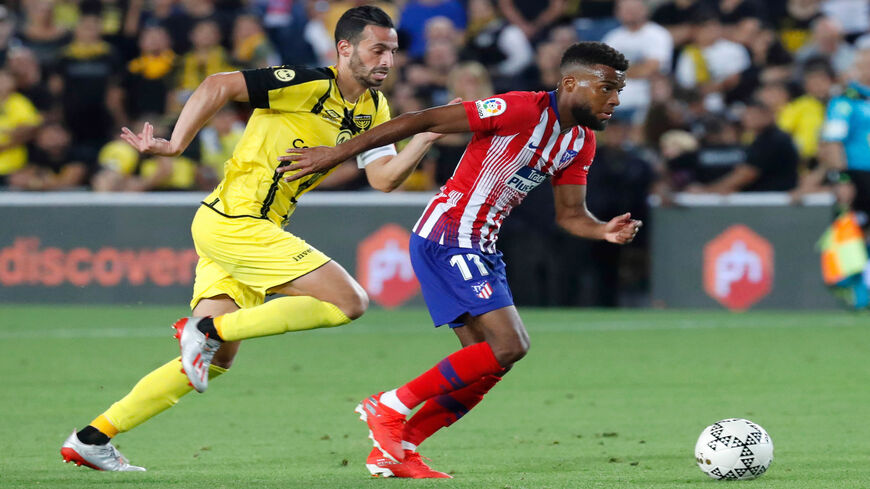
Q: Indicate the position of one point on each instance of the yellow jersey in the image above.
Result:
(15, 112)
(294, 107)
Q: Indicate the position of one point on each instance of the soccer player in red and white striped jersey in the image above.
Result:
(520, 139)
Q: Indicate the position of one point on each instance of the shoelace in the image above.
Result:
(417, 459)
(110, 452)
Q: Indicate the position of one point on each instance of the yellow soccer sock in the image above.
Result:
(296, 313)
(153, 394)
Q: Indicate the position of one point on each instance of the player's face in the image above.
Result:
(591, 93)
(372, 57)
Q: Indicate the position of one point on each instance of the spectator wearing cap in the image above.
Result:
(771, 159)
(647, 46)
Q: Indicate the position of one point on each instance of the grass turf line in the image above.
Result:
(603, 400)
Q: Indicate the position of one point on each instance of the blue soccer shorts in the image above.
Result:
(456, 281)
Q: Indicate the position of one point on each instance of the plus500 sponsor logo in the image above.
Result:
(26, 263)
(526, 179)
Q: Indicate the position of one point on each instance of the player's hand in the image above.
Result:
(305, 161)
(621, 229)
(145, 142)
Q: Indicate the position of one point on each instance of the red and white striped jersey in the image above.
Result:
(517, 144)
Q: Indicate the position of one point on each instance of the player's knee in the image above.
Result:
(356, 305)
(512, 351)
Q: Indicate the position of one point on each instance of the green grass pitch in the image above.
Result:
(603, 400)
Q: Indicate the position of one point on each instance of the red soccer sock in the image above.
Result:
(442, 411)
(458, 370)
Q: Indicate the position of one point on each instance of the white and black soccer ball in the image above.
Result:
(734, 449)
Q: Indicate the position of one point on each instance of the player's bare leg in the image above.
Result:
(325, 297)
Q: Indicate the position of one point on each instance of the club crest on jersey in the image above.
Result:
(568, 156)
(284, 74)
(363, 121)
(490, 107)
(525, 179)
(482, 290)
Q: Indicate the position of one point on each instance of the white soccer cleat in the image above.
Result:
(197, 350)
(98, 457)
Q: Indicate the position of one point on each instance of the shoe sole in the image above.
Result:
(365, 417)
(378, 471)
(70, 455)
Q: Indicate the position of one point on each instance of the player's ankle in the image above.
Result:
(92, 436)
(392, 401)
(206, 327)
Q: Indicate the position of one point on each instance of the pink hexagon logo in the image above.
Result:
(384, 266)
(738, 268)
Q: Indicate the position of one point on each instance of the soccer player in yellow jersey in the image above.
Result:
(238, 230)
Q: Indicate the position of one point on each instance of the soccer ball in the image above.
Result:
(734, 449)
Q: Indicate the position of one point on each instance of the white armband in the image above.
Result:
(364, 158)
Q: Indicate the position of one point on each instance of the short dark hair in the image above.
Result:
(594, 53)
(354, 21)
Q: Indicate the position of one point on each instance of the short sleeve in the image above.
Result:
(575, 173)
(503, 114)
(284, 87)
(837, 119)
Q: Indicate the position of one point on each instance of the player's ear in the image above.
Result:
(568, 83)
(345, 48)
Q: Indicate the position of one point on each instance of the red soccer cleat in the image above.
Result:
(385, 426)
(413, 467)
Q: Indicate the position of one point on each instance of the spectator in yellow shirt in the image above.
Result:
(18, 122)
(804, 116)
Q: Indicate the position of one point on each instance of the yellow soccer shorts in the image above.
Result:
(245, 258)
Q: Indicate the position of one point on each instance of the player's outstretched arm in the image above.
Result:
(573, 216)
(444, 119)
(212, 94)
(387, 173)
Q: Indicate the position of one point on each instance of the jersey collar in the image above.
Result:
(553, 103)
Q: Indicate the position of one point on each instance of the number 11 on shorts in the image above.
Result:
(461, 262)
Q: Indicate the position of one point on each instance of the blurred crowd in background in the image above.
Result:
(722, 96)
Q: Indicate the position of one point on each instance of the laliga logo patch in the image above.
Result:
(490, 107)
(284, 74)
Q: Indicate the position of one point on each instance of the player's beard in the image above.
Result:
(362, 74)
(584, 116)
